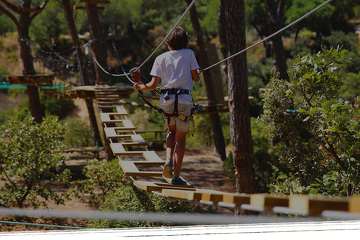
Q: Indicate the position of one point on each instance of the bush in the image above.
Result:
(60, 107)
(314, 129)
(129, 199)
(77, 133)
(30, 162)
(106, 188)
(6, 25)
(102, 178)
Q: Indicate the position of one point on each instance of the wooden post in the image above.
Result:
(98, 36)
(69, 14)
(22, 16)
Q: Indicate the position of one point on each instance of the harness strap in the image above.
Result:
(174, 91)
(195, 109)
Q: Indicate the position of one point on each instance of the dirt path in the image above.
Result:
(203, 169)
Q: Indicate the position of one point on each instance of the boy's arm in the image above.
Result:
(195, 75)
(148, 86)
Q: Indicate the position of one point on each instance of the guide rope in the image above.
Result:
(268, 37)
(219, 62)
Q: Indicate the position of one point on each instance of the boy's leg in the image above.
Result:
(179, 151)
(170, 147)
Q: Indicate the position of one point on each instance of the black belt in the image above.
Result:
(175, 91)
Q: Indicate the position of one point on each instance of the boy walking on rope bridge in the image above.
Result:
(175, 71)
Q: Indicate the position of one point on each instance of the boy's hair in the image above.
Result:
(178, 39)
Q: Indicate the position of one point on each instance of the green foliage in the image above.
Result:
(196, 137)
(209, 14)
(122, 199)
(106, 188)
(312, 127)
(129, 199)
(49, 25)
(331, 17)
(102, 178)
(285, 183)
(30, 163)
(6, 25)
(265, 158)
(77, 133)
(60, 107)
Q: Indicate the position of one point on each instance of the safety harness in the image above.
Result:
(176, 92)
(136, 76)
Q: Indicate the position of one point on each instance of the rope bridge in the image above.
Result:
(143, 167)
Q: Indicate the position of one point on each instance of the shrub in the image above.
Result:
(77, 133)
(314, 129)
(102, 178)
(60, 107)
(6, 25)
(30, 162)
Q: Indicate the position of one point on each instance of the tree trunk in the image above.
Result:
(277, 14)
(28, 66)
(280, 57)
(69, 14)
(210, 86)
(98, 44)
(233, 14)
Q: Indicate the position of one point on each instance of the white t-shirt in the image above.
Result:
(174, 69)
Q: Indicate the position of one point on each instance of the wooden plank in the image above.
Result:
(121, 109)
(37, 79)
(148, 163)
(265, 202)
(108, 103)
(127, 125)
(133, 144)
(237, 199)
(206, 195)
(314, 205)
(354, 204)
(184, 194)
(109, 117)
(127, 140)
(130, 169)
(149, 186)
(110, 132)
(151, 156)
(117, 149)
(137, 138)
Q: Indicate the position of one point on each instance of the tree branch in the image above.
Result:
(37, 10)
(13, 7)
(9, 14)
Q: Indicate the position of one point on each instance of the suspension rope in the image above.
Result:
(107, 72)
(268, 37)
(219, 62)
(87, 45)
(168, 34)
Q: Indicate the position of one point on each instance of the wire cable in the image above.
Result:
(268, 37)
(88, 44)
(168, 34)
